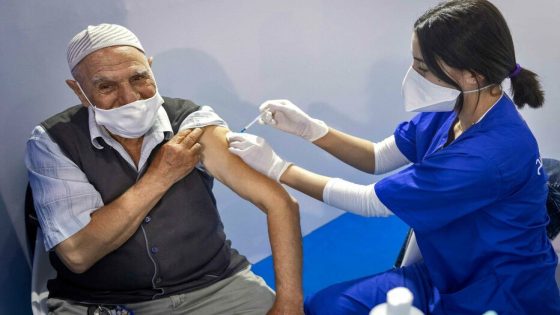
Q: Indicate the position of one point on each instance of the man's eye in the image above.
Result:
(423, 70)
(105, 88)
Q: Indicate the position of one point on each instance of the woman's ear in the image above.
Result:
(473, 78)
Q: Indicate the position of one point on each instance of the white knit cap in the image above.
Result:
(95, 37)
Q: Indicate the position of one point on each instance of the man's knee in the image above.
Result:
(254, 296)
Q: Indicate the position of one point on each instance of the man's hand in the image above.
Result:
(177, 157)
(114, 223)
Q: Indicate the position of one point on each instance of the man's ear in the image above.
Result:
(73, 85)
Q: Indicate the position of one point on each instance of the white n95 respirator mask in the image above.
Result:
(421, 95)
(132, 120)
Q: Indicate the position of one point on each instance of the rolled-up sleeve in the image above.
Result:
(63, 197)
(205, 116)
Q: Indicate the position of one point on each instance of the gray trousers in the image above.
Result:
(243, 293)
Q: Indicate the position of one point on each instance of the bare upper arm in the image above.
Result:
(229, 169)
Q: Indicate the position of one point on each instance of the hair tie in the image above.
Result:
(515, 71)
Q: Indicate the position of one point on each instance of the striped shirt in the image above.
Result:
(63, 197)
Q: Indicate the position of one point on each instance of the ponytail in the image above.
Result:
(473, 35)
(526, 88)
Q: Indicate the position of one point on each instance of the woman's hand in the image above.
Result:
(257, 153)
(286, 116)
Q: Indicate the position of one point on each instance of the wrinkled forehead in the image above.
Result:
(112, 60)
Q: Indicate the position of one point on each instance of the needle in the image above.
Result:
(251, 123)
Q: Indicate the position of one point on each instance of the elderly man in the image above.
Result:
(127, 210)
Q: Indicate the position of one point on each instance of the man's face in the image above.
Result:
(115, 76)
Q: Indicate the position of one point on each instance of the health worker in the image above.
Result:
(473, 189)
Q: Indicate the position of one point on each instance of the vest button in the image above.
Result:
(154, 249)
(147, 219)
(158, 279)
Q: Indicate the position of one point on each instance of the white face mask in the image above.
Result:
(132, 120)
(421, 95)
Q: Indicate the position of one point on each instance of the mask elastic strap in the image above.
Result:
(478, 90)
(482, 88)
(84, 94)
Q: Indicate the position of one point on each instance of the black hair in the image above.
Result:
(473, 35)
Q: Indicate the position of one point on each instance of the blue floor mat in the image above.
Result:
(346, 248)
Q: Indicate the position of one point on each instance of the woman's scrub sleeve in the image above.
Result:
(405, 138)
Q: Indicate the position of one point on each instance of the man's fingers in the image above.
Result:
(180, 136)
(192, 137)
(196, 148)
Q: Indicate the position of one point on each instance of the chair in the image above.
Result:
(42, 270)
(552, 168)
(410, 253)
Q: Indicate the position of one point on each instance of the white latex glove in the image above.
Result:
(257, 153)
(286, 116)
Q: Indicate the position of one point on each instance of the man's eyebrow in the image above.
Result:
(142, 72)
(102, 79)
(98, 80)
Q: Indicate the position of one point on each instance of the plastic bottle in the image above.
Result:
(399, 302)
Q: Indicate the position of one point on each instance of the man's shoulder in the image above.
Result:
(178, 109)
(176, 102)
(72, 114)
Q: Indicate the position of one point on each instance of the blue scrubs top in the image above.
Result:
(478, 209)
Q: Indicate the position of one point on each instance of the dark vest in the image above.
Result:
(180, 246)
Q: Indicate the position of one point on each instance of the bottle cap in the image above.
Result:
(399, 302)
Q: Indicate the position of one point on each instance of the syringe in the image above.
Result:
(251, 123)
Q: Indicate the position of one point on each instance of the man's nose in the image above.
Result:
(128, 94)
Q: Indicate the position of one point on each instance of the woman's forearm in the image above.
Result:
(358, 199)
(351, 150)
(305, 181)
